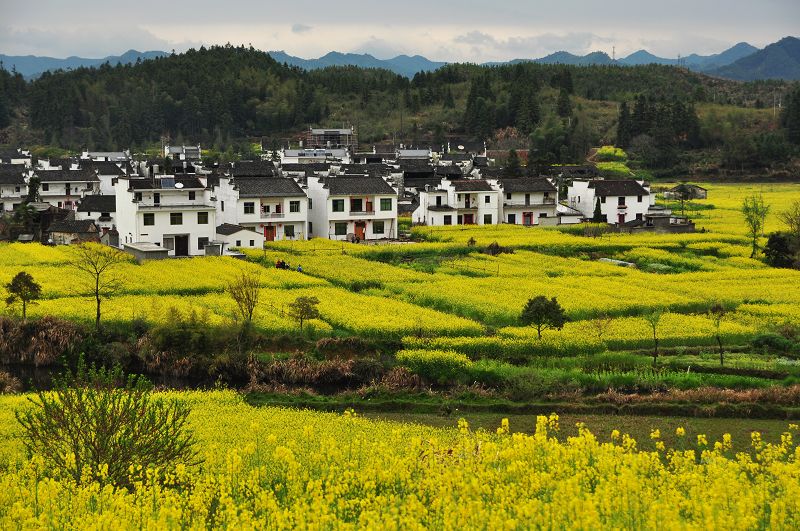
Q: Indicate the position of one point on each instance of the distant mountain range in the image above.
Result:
(743, 61)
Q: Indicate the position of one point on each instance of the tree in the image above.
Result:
(598, 216)
(782, 250)
(564, 106)
(755, 215)
(244, 290)
(790, 118)
(97, 424)
(304, 308)
(653, 318)
(791, 217)
(23, 289)
(601, 324)
(33, 190)
(99, 263)
(624, 126)
(543, 314)
(513, 166)
(717, 313)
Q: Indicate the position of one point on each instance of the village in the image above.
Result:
(323, 187)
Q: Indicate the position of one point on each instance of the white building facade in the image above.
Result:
(355, 208)
(459, 202)
(620, 201)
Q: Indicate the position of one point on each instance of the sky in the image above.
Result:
(465, 30)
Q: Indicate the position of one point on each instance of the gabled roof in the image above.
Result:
(623, 187)
(98, 203)
(683, 187)
(358, 186)
(457, 157)
(267, 187)
(166, 183)
(73, 226)
(12, 173)
(451, 172)
(227, 229)
(253, 167)
(314, 166)
(472, 185)
(103, 167)
(66, 176)
(527, 184)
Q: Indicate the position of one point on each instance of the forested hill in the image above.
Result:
(221, 94)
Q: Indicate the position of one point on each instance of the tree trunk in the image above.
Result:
(655, 350)
(721, 356)
(97, 298)
(24, 310)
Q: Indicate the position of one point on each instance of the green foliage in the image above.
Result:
(435, 365)
(543, 314)
(790, 118)
(755, 213)
(23, 289)
(303, 309)
(611, 154)
(97, 424)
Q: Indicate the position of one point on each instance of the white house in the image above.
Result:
(106, 156)
(529, 201)
(311, 155)
(106, 172)
(459, 202)
(65, 188)
(175, 212)
(15, 156)
(237, 236)
(13, 187)
(620, 201)
(102, 209)
(362, 208)
(277, 207)
(183, 153)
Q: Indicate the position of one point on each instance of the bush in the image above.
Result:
(436, 365)
(772, 342)
(98, 425)
(9, 384)
(39, 342)
(611, 154)
(507, 349)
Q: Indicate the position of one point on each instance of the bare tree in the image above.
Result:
(600, 325)
(791, 217)
(717, 313)
(653, 318)
(99, 264)
(244, 290)
(755, 213)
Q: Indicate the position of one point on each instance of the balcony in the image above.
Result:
(272, 215)
(547, 201)
(173, 206)
(362, 212)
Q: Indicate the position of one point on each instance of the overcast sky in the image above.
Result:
(467, 30)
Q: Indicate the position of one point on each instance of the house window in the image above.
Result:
(602, 199)
(16, 189)
(252, 243)
(238, 243)
(156, 198)
(202, 218)
(639, 198)
(288, 231)
(356, 205)
(191, 196)
(487, 218)
(512, 218)
(621, 201)
(310, 203)
(137, 196)
(508, 196)
(310, 227)
(294, 206)
(338, 205)
(176, 218)
(340, 229)
(45, 187)
(448, 220)
(149, 219)
(639, 217)
(249, 207)
(377, 227)
(169, 243)
(460, 219)
(202, 242)
(386, 203)
(487, 199)
(438, 200)
(222, 204)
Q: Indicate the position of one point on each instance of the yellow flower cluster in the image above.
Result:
(280, 469)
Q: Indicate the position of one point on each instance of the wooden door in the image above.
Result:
(269, 233)
(620, 218)
(182, 245)
(361, 228)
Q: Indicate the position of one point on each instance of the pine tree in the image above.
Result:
(624, 126)
(564, 104)
(513, 166)
(790, 119)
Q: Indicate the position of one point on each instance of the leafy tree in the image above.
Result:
(23, 289)
(601, 323)
(513, 166)
(97, 424)
(543, 313)
(755, 213)
(598, 216)
(717, 313)
(653, 319)
(99, 263)
(782, 250)
(33, 190)
(244, 290)
(303, 309)
(564, 105)
(791, 218)
(790, 118)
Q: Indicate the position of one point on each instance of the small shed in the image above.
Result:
(240, 237)
(146, 251)
(69, 231)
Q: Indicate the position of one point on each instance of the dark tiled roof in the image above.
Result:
(253, 167)
(61, 163)
(684, 187)
(12, 173)
(441, 208)
(313, 166)
(358, 185)
(73, 226)
(226, 229)
(416, 165)
(617, 188)
(98, 203)
(103, 167)
(451, 172)
(189, 183)
(457, 157)
(421, 182)
(267, 187)
(531, 184)
(66, 176)
(471, 185)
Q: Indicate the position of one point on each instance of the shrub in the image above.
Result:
(99, 425)
(508, 349)
(772, 342)
(9, 384)
(37, 342)
(435, 365)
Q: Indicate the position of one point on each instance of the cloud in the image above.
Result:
(378, 48)
(301, 28)
(485, 45)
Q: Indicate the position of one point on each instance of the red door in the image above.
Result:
(469, 219)
(361, 228)
(269, 233)
(527, 218)
(620, 218)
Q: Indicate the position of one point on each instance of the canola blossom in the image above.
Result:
(267, 468)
